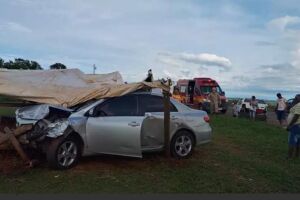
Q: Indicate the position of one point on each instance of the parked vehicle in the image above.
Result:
(289, 104)
(243, 106)
(128, 125)
(194, 93)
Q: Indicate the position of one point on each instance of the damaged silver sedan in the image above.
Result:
(128, 125)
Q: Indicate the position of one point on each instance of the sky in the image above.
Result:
(251, 47)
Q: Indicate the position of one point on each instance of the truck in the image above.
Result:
(194, 93)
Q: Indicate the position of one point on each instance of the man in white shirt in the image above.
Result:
(280, 109)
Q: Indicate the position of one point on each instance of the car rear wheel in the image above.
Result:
(182, 144)
(63, 153)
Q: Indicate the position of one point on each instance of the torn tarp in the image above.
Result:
(67, 87)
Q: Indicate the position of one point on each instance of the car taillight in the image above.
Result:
(206, 118)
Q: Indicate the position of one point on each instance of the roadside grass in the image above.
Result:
(243, 157)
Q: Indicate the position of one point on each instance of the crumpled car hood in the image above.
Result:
(37, 115)
(37, 112)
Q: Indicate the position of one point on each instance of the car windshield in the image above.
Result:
(83, 105)
(208, 89)
(258, 100)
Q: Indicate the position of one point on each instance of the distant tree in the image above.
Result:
(35, 65)
(20, 63)
(58, 66)
(1, 63)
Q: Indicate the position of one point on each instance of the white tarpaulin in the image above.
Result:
(66, 87)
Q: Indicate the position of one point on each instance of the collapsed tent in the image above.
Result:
(66, 87)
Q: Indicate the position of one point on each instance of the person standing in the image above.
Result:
(149, 76)
(293, 127)
(253, 107)
(280, 109)
(215, 100)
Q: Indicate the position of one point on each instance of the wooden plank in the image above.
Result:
(22, 129)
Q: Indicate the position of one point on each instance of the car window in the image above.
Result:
(261, 101)
(150, 103)
(118, 106)
(290, 100)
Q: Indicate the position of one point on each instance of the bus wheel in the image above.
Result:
(200, 107)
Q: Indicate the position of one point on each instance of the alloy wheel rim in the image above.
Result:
(67, 153)
(183, 145)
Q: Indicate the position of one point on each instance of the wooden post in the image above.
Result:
(167, 121)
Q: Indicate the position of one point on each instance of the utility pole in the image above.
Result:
(94, 69)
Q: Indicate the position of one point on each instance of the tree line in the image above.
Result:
(24, 64)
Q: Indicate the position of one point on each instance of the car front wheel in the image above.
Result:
(182, 144)
(63, 153)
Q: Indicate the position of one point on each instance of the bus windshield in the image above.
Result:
(208, 89)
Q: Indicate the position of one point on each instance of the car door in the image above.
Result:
(115, 127)
(152, 108)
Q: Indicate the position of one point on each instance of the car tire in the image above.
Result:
(63, 153)
(182, 144)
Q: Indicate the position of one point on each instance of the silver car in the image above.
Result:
(128, 125)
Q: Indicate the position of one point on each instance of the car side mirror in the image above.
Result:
(223, 93)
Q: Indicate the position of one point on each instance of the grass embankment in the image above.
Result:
(244, 157)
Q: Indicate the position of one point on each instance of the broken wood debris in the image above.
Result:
(10, 137)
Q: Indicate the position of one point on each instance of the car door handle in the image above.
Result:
(173, 117)
(133, 124)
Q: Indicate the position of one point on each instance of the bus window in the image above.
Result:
(182, 89)
(208, 89)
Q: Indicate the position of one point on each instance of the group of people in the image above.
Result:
(291, 121)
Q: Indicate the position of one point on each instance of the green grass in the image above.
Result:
(244, 157)
(6, 111)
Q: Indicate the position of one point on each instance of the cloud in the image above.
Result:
(206, 59)
(14, 27)
(202, 59)
(282, 23)
(265, 43)
(282, 76)
(296, 58)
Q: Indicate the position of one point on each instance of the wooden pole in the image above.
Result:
(166, 98)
